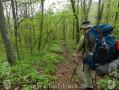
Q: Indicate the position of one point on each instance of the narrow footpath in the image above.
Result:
(65, 70)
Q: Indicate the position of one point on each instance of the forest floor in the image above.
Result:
(65, 70)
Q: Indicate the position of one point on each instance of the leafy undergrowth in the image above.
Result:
(71, 45)
(36, 72)
(54, 47)
(109, 82)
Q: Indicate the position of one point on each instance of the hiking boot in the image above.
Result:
(88, 88)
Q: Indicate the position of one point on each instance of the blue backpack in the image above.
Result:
(103, 45)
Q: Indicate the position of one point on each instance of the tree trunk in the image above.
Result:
(73, 29)
(116, 15)
(85, 4)
(8, 16)
(88, 9)
(15, 27)
(107, 11)
(84, 10)
(98, 12)
(64, 29)
(77, 6)
(41, 25)
(76, 20)
(50, 31)
(5, 37)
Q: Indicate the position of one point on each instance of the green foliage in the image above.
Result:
(71, 45)
(55, 48)
(39, 66)
(108, 82)
(23, 71)
(52, 58)
(38, 69)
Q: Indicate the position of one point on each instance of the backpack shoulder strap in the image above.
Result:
(84, 50)
(86, 37)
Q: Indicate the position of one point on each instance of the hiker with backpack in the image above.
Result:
(86, 26)
(99, 51)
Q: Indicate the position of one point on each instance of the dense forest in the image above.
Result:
(37, 45)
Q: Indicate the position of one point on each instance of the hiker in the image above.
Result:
(86, 26)
(99, 51)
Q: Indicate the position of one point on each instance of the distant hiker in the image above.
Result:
(100, 51)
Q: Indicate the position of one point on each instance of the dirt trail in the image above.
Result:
(66, 69)
(64, 72)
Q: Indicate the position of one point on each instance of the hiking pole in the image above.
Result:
(94, 81)
(75, 70)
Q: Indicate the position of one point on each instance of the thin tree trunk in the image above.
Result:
(8, 15)
(5, 37)
(116, 15)
(30, 40)
(25, 8)
(84, 9)
(82, 15)
(41, 25)
(88, 9)
(64, 29)
(50, 31)
(76, 20)
(15, 27)
(108, 10)
(33, 29)
(101, 11)
(73, 29)
(98, 12)
(78, 6)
